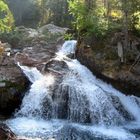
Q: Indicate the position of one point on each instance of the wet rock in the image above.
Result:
(120, 108)
(56, 66)
(58, 92)
(102, 59)
(6, 133)
(12, 83)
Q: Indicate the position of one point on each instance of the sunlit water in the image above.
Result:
(93, 109)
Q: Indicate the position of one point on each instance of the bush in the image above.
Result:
(88, 21)
(6, 18)
(68, 36)
(13, 37)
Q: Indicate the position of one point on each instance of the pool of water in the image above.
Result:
(55, 129)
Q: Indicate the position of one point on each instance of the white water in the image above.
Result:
(32, 73)
(99, 94)
(108, 112)
(32, 102)
(68, 48)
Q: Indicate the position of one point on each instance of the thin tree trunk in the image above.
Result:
(125, 28)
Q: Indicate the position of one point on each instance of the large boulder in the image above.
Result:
(52, 29)
(39, 46)
(12, 82)
(44, 36)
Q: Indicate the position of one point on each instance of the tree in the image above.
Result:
(6, 17)
(55, 11)
(89, 16)
(25, 12)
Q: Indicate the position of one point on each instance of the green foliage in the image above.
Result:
(78, 10)
(68, 36)
(25, 12)
(89, 17)
(91, 21)
(6, 17)
(98, 17)
(55, 11)
(13, 37)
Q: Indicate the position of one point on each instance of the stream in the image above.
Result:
(70, 103)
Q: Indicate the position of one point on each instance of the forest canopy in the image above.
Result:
(85, 16)
(99, 16)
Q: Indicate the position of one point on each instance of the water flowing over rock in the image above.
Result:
(68, 90)
(30, 47)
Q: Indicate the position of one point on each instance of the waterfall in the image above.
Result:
(105, 104)
(32, 104)
(32, 73)
(75, 96)
(68, 47)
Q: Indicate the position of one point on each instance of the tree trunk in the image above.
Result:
(125, 28)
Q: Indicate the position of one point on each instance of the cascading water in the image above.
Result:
(75, 105)
(68, 48)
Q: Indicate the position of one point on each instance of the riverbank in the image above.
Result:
(102, 58)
